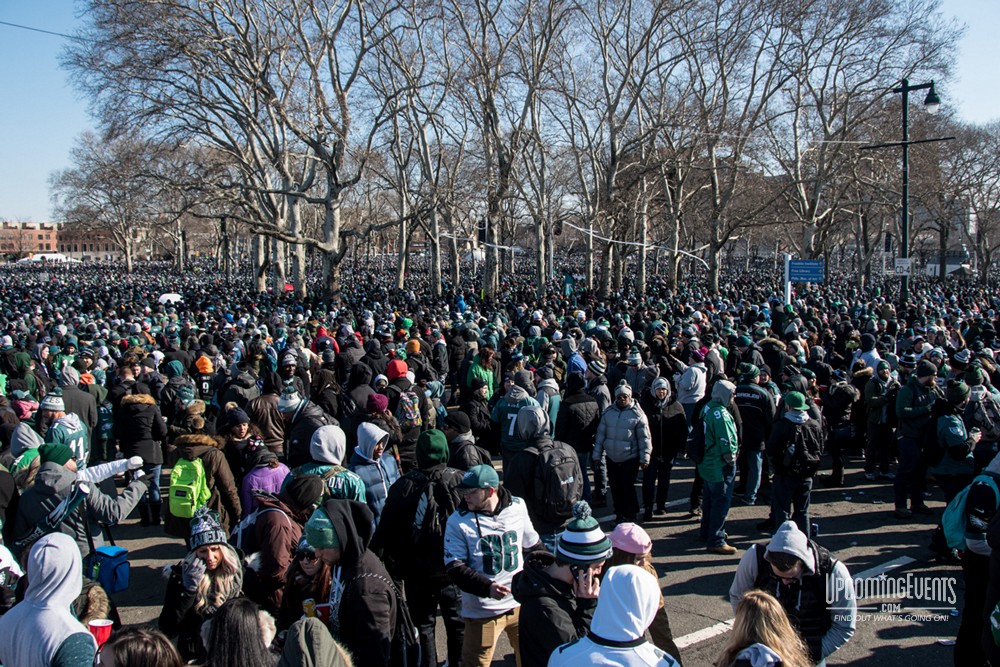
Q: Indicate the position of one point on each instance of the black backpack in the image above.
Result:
(558, 481)
(436, 503)
(798, 458)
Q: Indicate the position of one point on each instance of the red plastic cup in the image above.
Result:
(101, 629)
(323, 612)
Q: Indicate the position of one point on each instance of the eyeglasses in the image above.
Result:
(307, 555)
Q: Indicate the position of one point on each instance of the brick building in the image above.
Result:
(22, 239)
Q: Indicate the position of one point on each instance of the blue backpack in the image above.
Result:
(954, 518)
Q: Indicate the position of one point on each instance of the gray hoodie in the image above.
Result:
(840, 587)
(52, 484)
(532, 423)
(33, 631)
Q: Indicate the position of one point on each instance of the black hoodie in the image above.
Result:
(551, 615)
(367, 614)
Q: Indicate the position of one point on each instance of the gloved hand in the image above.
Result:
(135, 463)
(192, 570)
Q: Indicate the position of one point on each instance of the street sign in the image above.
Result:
(903, 266)
(806, 270)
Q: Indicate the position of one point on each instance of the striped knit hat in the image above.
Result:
(583, 542)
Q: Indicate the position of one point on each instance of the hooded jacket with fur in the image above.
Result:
(225, 496)
(140, 428)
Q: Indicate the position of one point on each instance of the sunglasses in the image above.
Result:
(308, 555)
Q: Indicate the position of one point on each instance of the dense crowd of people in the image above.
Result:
(342, 473)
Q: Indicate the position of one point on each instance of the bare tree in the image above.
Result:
(272, 86)
(114, 185)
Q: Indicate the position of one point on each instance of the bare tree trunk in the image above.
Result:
(456, 266)
(607, 256)
(331, 260)
(435, 241)
(541, 266)
(278, 258)
(590, 253)
(401, 251)
(643, 236)
(714, 265)
(299, 250)
(259, 251)
(943, 250)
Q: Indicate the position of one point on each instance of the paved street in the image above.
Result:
(855, 523)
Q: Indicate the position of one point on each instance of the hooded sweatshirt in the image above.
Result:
(42, 631)
(327, 450)
(377, 474)
(362, 593)
(626, 606)
(721, 442)
(53, 483)
(505, 414)
(309, 644)
(758, 655)
(835, 585)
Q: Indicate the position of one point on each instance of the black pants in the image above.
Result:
(839, 440)
(621, 482)
(697, 485)
(878, 448)
(424, 595)
(968, 647)
(656, 483)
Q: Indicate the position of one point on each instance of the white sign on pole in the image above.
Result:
(902, 266)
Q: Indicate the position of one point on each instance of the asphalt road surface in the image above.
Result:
(855, 523)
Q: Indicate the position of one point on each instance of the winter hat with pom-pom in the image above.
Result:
(583, 542)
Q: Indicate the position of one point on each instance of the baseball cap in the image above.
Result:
(481, 476)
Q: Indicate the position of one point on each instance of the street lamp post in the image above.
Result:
(931, 105)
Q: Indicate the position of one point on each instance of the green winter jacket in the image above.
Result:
(477, 370)
(721, 443)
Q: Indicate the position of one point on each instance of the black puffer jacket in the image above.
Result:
(577, 421)
(551, 615)
(300, 432)
(140, 428)
(667, 426)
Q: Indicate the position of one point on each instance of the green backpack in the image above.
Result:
(188, 488)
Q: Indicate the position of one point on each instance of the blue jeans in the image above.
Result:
(755, 461)
(715, 507)
(786, 493)
(153, 472)
(600, 470)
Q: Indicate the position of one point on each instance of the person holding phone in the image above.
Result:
(208, 577)
(558, 593)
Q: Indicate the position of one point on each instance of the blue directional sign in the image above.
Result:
(806, 270)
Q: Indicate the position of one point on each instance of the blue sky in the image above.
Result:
(41, 114)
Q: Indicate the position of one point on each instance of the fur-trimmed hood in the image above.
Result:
(865, 373)
(196, 440)
(772, 341)
(138, 399)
